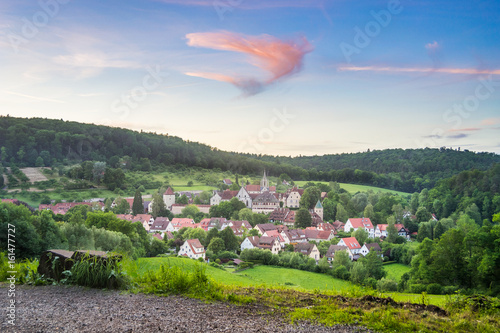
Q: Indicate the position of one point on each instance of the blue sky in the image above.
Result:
(283, 77)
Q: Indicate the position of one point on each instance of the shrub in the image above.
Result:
(341, 272)
(387, 285)
(417, 288)
(175, 280)
(435, 289)
(449, 290)
(370, 282)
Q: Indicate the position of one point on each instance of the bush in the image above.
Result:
(417, 288)
(244, 265)
(435, 289)
(341, 272)
(449, 290)
(370, 282)
(387, 285)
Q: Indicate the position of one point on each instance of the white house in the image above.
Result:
(192, 248)
(352, 245)
(357, 223)
(215, 199)
(250, 243)
(367, 247)
(293, 199)
(381, 230)
(308, 249)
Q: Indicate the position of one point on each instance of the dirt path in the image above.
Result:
(78, 309)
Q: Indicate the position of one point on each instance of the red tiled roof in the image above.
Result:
(169, 191)
(362, 222)
(253, 188)
(228, 195)
(351, 243)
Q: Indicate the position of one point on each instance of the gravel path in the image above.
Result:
(78, 309)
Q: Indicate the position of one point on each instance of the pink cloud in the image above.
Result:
(490, 121)
(432, 47)
(278, 58)
(468, 129)
(468, 71)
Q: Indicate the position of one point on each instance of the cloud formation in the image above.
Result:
(469, 71)
(278, 58)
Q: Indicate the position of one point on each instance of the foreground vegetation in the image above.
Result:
(342, 303)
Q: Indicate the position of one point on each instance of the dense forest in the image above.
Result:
(48, 142)
(406, 170)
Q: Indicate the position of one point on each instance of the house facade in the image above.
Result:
(356, 223)
(192, 248)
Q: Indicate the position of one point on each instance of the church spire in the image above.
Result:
(264, 183)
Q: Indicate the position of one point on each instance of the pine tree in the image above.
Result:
(137, 206)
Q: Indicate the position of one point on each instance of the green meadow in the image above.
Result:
(353, 188)
(278, 277)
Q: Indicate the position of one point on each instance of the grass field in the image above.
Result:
(353, 188)
(395, 271)
(278, 277)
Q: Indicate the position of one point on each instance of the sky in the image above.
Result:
(279, 77)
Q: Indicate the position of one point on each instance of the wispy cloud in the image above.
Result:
(249, 4)
(490, 121)
(426, 70)
(432, 47)
(469, 129)
(279, 58)
(458, 136)
(37, 98)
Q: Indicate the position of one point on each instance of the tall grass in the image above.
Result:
(171, 279)
(97, 272)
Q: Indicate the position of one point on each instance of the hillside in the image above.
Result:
(406, 170)
(30, 142)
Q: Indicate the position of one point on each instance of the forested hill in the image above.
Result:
(403, 169)
(48, 142)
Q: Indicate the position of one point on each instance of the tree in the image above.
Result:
(212, 233)
(137, 206)
(303, 218)
(190, 211)
(230, 241)
(358, 273)
(216, 245)
(368, 212)
(374, 265)
(39, 162)
(183, 199)
(422, 214)
(196, 233)
(439, 229)
(310, 197)
(245, 214)
(158, 207)
(341, 258)
(424, 231)
(392, 231)
(122, 206)
(341, 213)
(361, 235)
(98, 171)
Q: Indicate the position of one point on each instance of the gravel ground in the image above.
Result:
(78, 309)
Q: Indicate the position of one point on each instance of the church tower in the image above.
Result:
(318, 209)
(264, 183)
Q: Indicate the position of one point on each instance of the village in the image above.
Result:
(279, 233)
